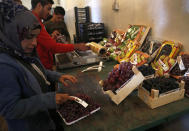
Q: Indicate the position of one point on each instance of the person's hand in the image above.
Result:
(55, 34)
(81, 47)
(63, 79)
(61, 98)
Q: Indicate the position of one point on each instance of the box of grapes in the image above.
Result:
(160, 91)
(72, 112)
(181, 67)
(121, 82)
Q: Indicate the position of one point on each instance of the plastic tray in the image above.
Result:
(70, 123)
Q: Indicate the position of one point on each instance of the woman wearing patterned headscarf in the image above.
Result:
(25, 99)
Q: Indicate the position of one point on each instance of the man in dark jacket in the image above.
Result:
(25, 100)
(56, 23)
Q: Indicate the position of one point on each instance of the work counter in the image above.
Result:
(130, 114)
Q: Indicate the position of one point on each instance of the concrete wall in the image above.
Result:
(27, 3)
(168, 18)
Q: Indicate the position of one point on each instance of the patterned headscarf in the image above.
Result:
(16, 23)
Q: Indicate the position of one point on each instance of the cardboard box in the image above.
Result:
(153, 99)
(126, 88)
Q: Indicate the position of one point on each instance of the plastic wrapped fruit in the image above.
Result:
(164, 65)
(130, 48)
(103, 42)
(168, 48)
(132, 32)
(182, 65)
(115, 46)
(136, 32)
(139, 58)
(117, 37)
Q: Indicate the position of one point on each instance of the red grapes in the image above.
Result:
(161, 83)
(118, 77)
(176, 70)
(72, 111)
(146, 70)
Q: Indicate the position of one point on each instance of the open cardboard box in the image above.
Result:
(126, 88)
(153, 99)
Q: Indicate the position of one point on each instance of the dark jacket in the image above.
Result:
(22, 102)
(59, 26)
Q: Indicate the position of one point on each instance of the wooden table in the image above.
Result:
(131, 114)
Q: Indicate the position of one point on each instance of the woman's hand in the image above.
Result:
(61, 98)
(63, 79)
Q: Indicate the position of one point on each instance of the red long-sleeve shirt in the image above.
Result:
(46, 46)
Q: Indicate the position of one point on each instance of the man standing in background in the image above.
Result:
(46, 46)
(57, 24)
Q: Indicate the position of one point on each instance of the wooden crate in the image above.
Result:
(153, 99)
(145, 34)
(140, 38)
(127, 88)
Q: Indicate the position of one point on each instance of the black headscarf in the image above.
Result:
(16, 23)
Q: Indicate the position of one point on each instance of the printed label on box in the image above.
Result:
(187, 73)
(163, 65)
(181, 64)
(151, 47)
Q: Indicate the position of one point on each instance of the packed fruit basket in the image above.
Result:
(71, 111)
(118, 77)
(122, 44)
(121, 81)
(160, 91)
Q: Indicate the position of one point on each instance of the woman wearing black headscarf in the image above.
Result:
(25, 99)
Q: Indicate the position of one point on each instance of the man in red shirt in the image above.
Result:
(46, 46)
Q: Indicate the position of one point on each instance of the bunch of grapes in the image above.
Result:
(146, 46)
(71, 110)
(160, 83)
(118, 77)
(185, 59)
(146, 70)
(176, 71)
